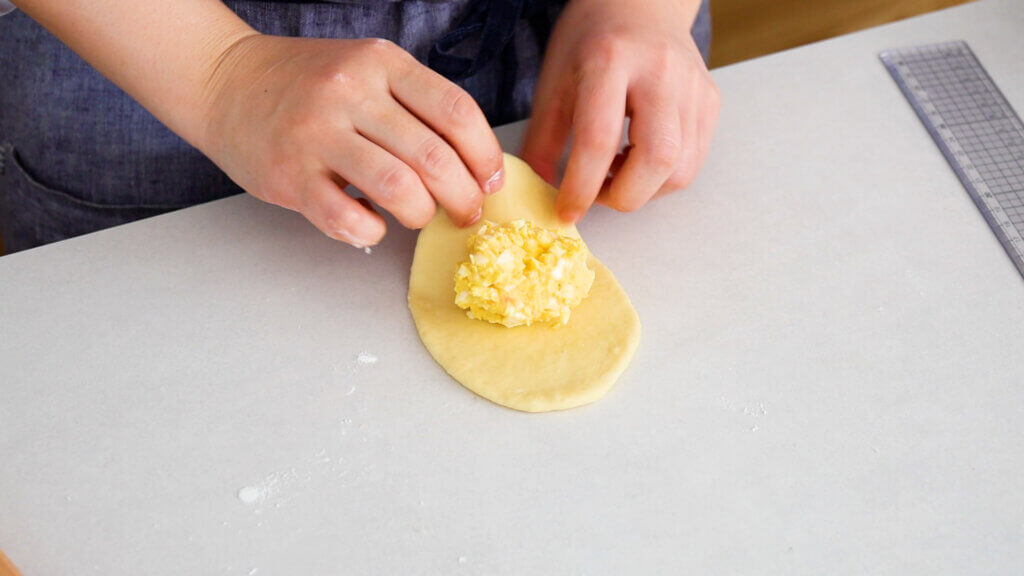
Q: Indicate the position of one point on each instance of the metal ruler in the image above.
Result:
(977, 130)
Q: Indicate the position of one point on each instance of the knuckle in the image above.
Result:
(336, 78)
(349, 217)
(380, 46)
(340, 220)
(435, 157)
(458, 105)
(625, 202)
(664, 152)
(598, 135)
(394, 183)
(661, 56)
(376, 55)
(604, 49)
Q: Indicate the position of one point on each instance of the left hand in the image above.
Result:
(608, 60)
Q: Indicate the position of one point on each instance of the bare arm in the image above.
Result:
(163, 54)
(293, 121)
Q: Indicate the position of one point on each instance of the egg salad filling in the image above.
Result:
(520, 273)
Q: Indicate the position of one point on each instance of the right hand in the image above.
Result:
(294, 120)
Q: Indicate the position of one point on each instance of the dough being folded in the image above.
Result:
(534, 368)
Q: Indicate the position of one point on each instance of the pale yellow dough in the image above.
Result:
(531, 368)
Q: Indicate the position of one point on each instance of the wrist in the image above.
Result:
(657, 11)
(236, 57)
(690, 9)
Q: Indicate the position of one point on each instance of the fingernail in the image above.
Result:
(495, 182)
(349, 238)
(475, 218)
(570, 216)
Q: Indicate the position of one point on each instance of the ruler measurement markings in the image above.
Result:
(974, 126)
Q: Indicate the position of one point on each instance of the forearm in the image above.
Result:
(164, 54)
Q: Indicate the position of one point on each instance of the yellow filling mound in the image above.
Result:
(520, 273)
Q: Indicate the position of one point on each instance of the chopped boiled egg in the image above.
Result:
(520, 273)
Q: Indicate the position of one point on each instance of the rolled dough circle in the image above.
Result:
(534, 368)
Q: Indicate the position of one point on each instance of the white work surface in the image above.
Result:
(830, 378)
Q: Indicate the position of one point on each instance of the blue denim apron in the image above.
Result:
(78, 155)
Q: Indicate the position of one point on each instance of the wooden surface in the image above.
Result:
(744, 29)
(7, 567)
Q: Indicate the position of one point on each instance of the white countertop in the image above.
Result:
(830, 379)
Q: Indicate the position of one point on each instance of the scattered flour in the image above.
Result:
(271, 487)
(321, 457)
(756, 411)
(250, 494)
(366, 358)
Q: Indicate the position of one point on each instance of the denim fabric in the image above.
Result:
(78, 155)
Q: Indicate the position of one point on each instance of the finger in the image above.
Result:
(438, 166)
(339, 216)
(694, 148)
(620, 158)
(451, 112)
(707, 120)
(386, 180)
(655, 136)
(617, 162)
(547, 132)
(597, 124)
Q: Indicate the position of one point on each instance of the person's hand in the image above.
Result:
(293, 121)
(608, 60)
